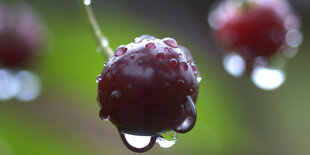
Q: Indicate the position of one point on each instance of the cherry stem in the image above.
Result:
(102, 41)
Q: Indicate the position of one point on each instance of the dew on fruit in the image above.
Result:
(120, 51)
(171, 42)
(9, 85)
(116, 94)
(150, 46)
(104, 115)
(87, 2)
(267, 78)
(180, 82)
(293, 38)
(234, 64)
(195, 69)
(187, 52)
(167, 140)
(184, 66)
(140, 62)
(29, 84)
(167, 49)
(199, 79)
(141, 38)
(160, 56)
(189, 110)
(98, 78)
(138, 143)
(173, 62)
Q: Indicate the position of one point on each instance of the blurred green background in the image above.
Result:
(234, 117)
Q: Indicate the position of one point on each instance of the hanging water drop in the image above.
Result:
(188, 116)
(9, 85)
(103, 114)
(267, 78)
(234, 64)
(138, 143)
(30, 86)
(167, 140)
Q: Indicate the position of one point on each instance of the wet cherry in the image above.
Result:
(20, 35)
(256, 37)
(147, 88)
(253, 28)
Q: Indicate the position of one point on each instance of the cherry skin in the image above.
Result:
(20, 35)
(145, 86)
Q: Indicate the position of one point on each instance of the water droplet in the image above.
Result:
(116, 94)
(184, 66)
(173, 62)
(105, 42)
(171, 42)
(199, 79)
(138, 143)
(87, 2)
(140, 62)
(167, 49)
(120, 51)
(267, 78)
(167, 140)
(132, 56)
(195, 69)
(103, 114)
(234, 64)
(160, 56)
(30, 86)
(141, 38)
(187, 52)
(180, 82)
(150, 46)
(293, 38)
(98, 78)
(187, 118)
(9, 85)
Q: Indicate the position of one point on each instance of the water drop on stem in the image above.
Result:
(101, 39)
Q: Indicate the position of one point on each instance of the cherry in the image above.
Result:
(149, 87)
(20, 34)
(253, 28)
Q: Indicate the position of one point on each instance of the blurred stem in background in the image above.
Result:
(101, 39)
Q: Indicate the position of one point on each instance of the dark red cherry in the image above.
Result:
(258, 31)
(150, 88)
(20, 35)
(252, 30)
(256, 28)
